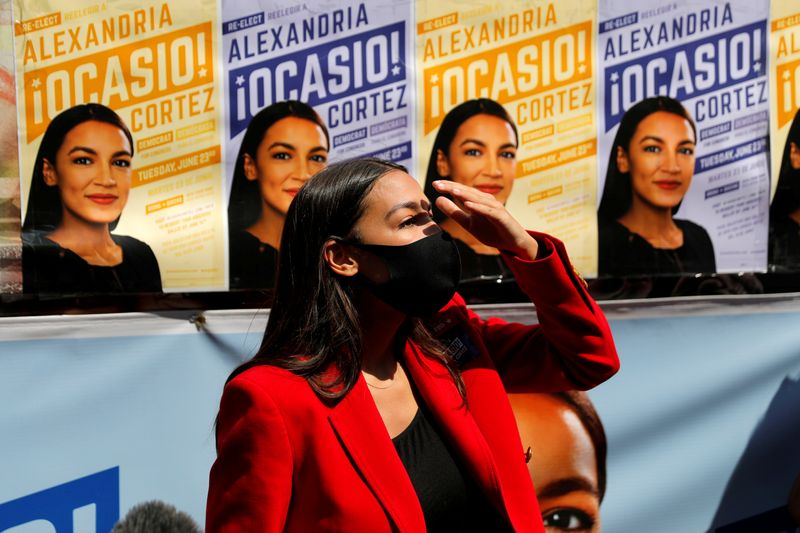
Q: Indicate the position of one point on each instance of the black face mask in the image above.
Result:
(423, 275)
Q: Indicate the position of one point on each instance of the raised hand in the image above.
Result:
(485, 218)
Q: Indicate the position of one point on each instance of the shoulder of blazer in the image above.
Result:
(290, 393)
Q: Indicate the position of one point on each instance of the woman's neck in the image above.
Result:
(457, 232)
(268, 227)
(380, 326)
(654, 224)
(91, 242)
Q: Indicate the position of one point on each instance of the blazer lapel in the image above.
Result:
(440, 394)
(362, 433)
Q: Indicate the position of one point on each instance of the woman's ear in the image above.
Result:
(250, 171)
(623, 164)
(49, 173)
(794, 155)
(339, 258)
(442, 165)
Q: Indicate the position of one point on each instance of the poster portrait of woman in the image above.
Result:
(80, 185)
(784, 211)
(284, 145)
(476, 146)
(650, 170)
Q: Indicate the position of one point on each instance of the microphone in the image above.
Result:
(156, 517)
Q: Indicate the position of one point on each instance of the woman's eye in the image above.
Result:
(282, 155)
(508, 155)
(419, 219)
(474, 152)
(686, 151)
(568, 519)
(319, 158)
(124, 163)
(652, 149)
(82, 161)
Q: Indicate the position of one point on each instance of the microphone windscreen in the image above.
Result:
(156, 517)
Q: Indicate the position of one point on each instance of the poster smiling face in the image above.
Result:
(712, 60)
(154, 64)
(536, 60)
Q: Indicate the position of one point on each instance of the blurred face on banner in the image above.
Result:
(482, 155)
(92, 171)
(563, 464)
(660, 160)
(292, 150)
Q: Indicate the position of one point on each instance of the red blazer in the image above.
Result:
(289, 461)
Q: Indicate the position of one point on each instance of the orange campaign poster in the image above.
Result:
(154, 64)
(784, 77)
(536, 60)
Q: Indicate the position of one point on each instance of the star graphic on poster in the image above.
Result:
(785, 75)
(581, 68)
(614, 77)
(435, 78)
(202, 72)
(35, 82)
(239, 80)
(757, 66)
(396, 70)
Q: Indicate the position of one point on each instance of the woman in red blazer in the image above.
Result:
(377, 400)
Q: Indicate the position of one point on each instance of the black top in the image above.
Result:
(252, 263)
(450, 498)
(486, 278)
(784, 245)
(624, 253)
(47, 268)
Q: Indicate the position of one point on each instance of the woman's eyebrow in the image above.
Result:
(560, 487)
(82, 149)
(476, 141)
(414, 206)
(651, 138)
(315, 149)
(281, 144)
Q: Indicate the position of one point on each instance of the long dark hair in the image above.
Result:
(244, 205)
(313, 328)
(618, 190)
(447, 131)
(44, 202)
(787, 192)
(582, 406)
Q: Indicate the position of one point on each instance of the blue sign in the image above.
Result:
(91, 499)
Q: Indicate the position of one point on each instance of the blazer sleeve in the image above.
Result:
(250, 483)
(571, 347)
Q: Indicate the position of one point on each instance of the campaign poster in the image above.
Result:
(712, 58)
(537, 60)
(307, 84)
(155, 64)
(10, 246)
(784, 60)
(348, 60)
(784, 70)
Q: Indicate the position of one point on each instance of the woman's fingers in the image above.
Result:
(451, 210)
(485, 218)
(485, 209)
(461, 193)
